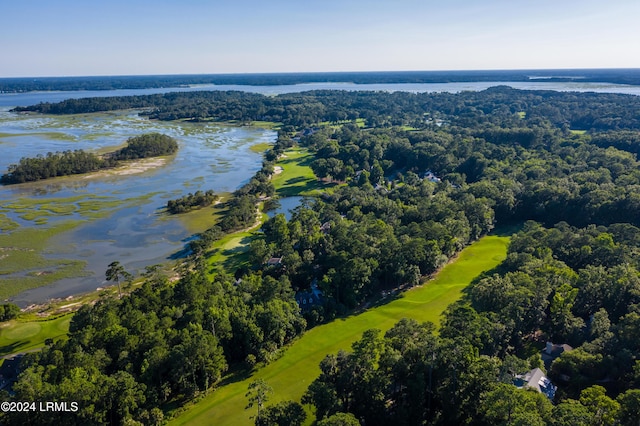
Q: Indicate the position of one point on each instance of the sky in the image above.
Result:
(139, 37)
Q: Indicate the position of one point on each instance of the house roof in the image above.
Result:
(536, 379)
(309, 298)
(553, 351)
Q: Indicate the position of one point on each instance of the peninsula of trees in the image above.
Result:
(415, 178)
(77, 162)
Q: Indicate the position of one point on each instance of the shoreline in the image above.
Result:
(131, 167)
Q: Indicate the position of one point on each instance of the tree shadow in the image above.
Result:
(236, 374)
(299, 179)
(507, 229)
(11, 348)
(499, 269)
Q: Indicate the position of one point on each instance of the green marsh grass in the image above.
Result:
(260, 147)
(22, 265)
(22, 262)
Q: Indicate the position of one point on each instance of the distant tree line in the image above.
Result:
(68, 163)
(12, 85)
(493, 107)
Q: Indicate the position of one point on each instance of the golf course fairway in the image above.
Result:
(290, 375)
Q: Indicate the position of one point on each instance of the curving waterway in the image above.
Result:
(116, 217)
(113, 216)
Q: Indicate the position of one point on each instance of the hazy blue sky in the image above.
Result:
(122, 37)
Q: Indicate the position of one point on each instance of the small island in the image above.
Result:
(191, 201)
(69, 163)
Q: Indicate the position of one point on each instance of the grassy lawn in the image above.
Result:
(230, 251)
(19, 336)
(299, 366)
(296, 178)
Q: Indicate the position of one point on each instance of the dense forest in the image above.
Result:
(499, 106)
(147, 145)
(77, 162)
(13, 85)
(576, 285)
(424, 177)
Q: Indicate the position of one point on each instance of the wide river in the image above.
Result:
(116, 217)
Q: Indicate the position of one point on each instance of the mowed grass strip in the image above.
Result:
(18, 336)
(296, 178)
(290, 375)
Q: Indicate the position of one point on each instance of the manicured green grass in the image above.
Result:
(578, 132)
(231, 251)
(18, 336)
(290, 375)
(296, 178)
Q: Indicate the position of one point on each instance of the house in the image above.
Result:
(309, 298)
(381, 188)
(274, 261)
(428, 175)
(553, 351)
(536, 379)
(325, 227)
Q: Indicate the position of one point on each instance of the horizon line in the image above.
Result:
(316, 72)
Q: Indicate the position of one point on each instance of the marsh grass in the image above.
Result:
(7, 224)
(39, 210)
(260, 147)
(23, 264)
